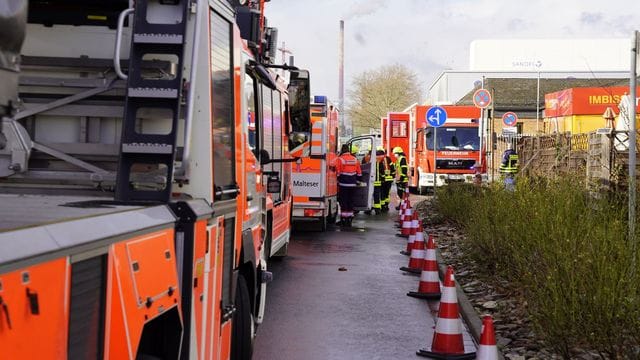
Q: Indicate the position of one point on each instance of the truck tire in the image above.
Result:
(242, 337)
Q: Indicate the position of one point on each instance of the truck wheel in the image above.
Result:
(241, 341)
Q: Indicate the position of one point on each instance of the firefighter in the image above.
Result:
(402, 172)
(509, 167)
(388, 176)
(349, 174)
(378, 181)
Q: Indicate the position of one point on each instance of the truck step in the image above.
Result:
(164, 93)
(157, 38)
(147, 148)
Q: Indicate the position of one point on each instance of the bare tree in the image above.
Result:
(376, 92)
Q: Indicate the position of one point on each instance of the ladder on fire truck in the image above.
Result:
(164, 35)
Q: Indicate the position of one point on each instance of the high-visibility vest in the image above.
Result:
(403, 168)
(511, 165)
(348, 170)
(379, 173)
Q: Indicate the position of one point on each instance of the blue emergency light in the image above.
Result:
(319, 99)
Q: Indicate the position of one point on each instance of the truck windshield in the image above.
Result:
(454, 138)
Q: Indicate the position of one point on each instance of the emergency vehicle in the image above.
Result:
(315, 185)
(141, 180)
(457, 153)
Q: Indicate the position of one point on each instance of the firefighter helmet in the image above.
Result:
(397, 150)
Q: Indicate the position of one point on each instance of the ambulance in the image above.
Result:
(315, 186)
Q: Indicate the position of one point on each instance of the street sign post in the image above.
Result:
(436, 117)
(509, 119)
(481, 99)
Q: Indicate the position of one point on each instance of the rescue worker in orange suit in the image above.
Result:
(349, 174)
(377, 182)
(402, 172)
(389, 175)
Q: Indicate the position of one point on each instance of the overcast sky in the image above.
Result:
(429, 36)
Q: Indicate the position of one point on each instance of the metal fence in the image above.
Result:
(600, 159)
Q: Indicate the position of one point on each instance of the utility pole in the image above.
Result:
(632, 146)
(284, 52)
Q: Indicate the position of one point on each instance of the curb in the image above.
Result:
(467, 311)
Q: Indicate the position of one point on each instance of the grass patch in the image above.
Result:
(567, 251)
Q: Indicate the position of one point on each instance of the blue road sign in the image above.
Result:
(436, 116)
(509, 118)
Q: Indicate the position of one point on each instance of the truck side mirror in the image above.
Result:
(264, 157)
(273, 184)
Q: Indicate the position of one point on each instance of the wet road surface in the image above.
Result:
(315, 311)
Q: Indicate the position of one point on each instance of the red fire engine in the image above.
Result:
(456, 152)
(143, 187)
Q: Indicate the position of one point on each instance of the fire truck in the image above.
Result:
(315, 185)
(457, 151)
(144, 179)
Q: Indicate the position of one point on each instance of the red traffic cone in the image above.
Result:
(429, 287)
(416, 259)
(447, 340)
(412, 235)
(488, 349)
(406, 223)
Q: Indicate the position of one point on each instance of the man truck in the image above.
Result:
(455, 155)
(144, 178)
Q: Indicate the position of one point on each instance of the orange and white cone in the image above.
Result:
(429, 287)
(416, 259)
(488, 349)
(415, 223)
(406, 223)
(447, 340)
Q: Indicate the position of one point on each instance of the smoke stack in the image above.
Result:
(346, 129)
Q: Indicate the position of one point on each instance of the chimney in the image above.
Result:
(345, 128)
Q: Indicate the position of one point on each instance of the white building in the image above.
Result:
(533, 58)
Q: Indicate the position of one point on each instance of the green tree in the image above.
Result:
(376, 92)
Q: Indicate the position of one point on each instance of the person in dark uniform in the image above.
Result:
(349, 173)
(378, 181)
(402, 169)
(389, 175)
(509, 168)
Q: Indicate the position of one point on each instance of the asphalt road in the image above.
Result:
(315, 311)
